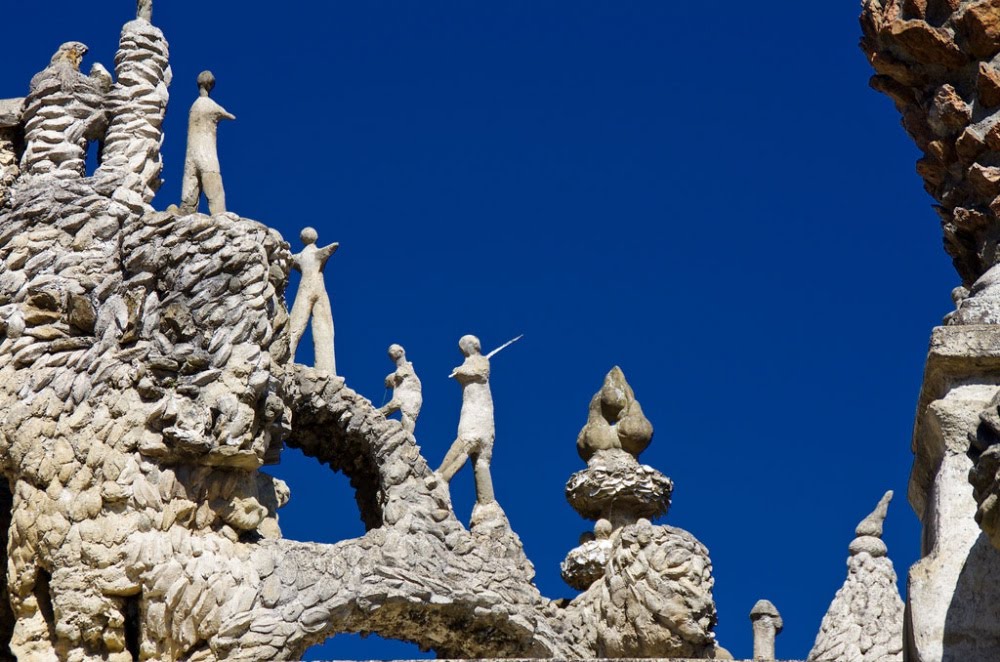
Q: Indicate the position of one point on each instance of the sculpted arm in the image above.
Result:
(324, 253)
(225, 114)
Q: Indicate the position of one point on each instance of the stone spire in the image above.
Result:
(865, 620)
(653, 582)
(614, 490)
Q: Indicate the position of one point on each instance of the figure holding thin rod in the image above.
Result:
(476, 429)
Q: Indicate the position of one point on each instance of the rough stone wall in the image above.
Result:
(9, 160)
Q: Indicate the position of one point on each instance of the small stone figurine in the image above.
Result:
(144, 10)
(201, 164)
(476, 429)
(406, 392)
(312, 300)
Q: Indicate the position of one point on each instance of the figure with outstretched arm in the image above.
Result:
(311, 300)
(476, 430)
(201, 164)
(407, 397)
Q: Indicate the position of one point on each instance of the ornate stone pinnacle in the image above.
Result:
(615, 420)
(869, 531)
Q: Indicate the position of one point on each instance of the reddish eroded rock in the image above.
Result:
(988, 85)
(933, 58)
(949, 113)
(926, 44)
(915, 9)
(979, 28)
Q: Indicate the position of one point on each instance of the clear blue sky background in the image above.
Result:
(710, 197)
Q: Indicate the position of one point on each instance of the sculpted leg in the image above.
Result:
(484, 481)
(212, 183)
(190, 190)
(409, 423)
(322, 328)
(297, 321)
(390, 408)
(454, 460)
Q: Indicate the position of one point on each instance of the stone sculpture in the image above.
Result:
(146, 378)
(621, 495)
(311, 300)
(865, 620)
(406, 393)
(615, 420)
(476, 430)
(767, 625)
(201, 164)
(937, 61)
(63, 112)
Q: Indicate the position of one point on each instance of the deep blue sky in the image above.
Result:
(710, 197)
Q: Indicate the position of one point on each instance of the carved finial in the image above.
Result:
(615, 420)
(767, 624)
(872, 525)
(869, 531)
(144, 10)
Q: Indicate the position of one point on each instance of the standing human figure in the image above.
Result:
(201, 164)
(312, 300)
(407, 397)
(476, 429)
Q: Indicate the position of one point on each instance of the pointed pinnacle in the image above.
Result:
(872, 525)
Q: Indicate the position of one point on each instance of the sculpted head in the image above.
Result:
(469, 345)
(396, 352)
(206, 81)
(308, 236)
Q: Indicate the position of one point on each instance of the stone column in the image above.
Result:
(953, 601)
(767, 624)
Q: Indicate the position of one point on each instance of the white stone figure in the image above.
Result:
(144, 10)
(407, 397)
(476, 429)
(312, 300)
(201, 165)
